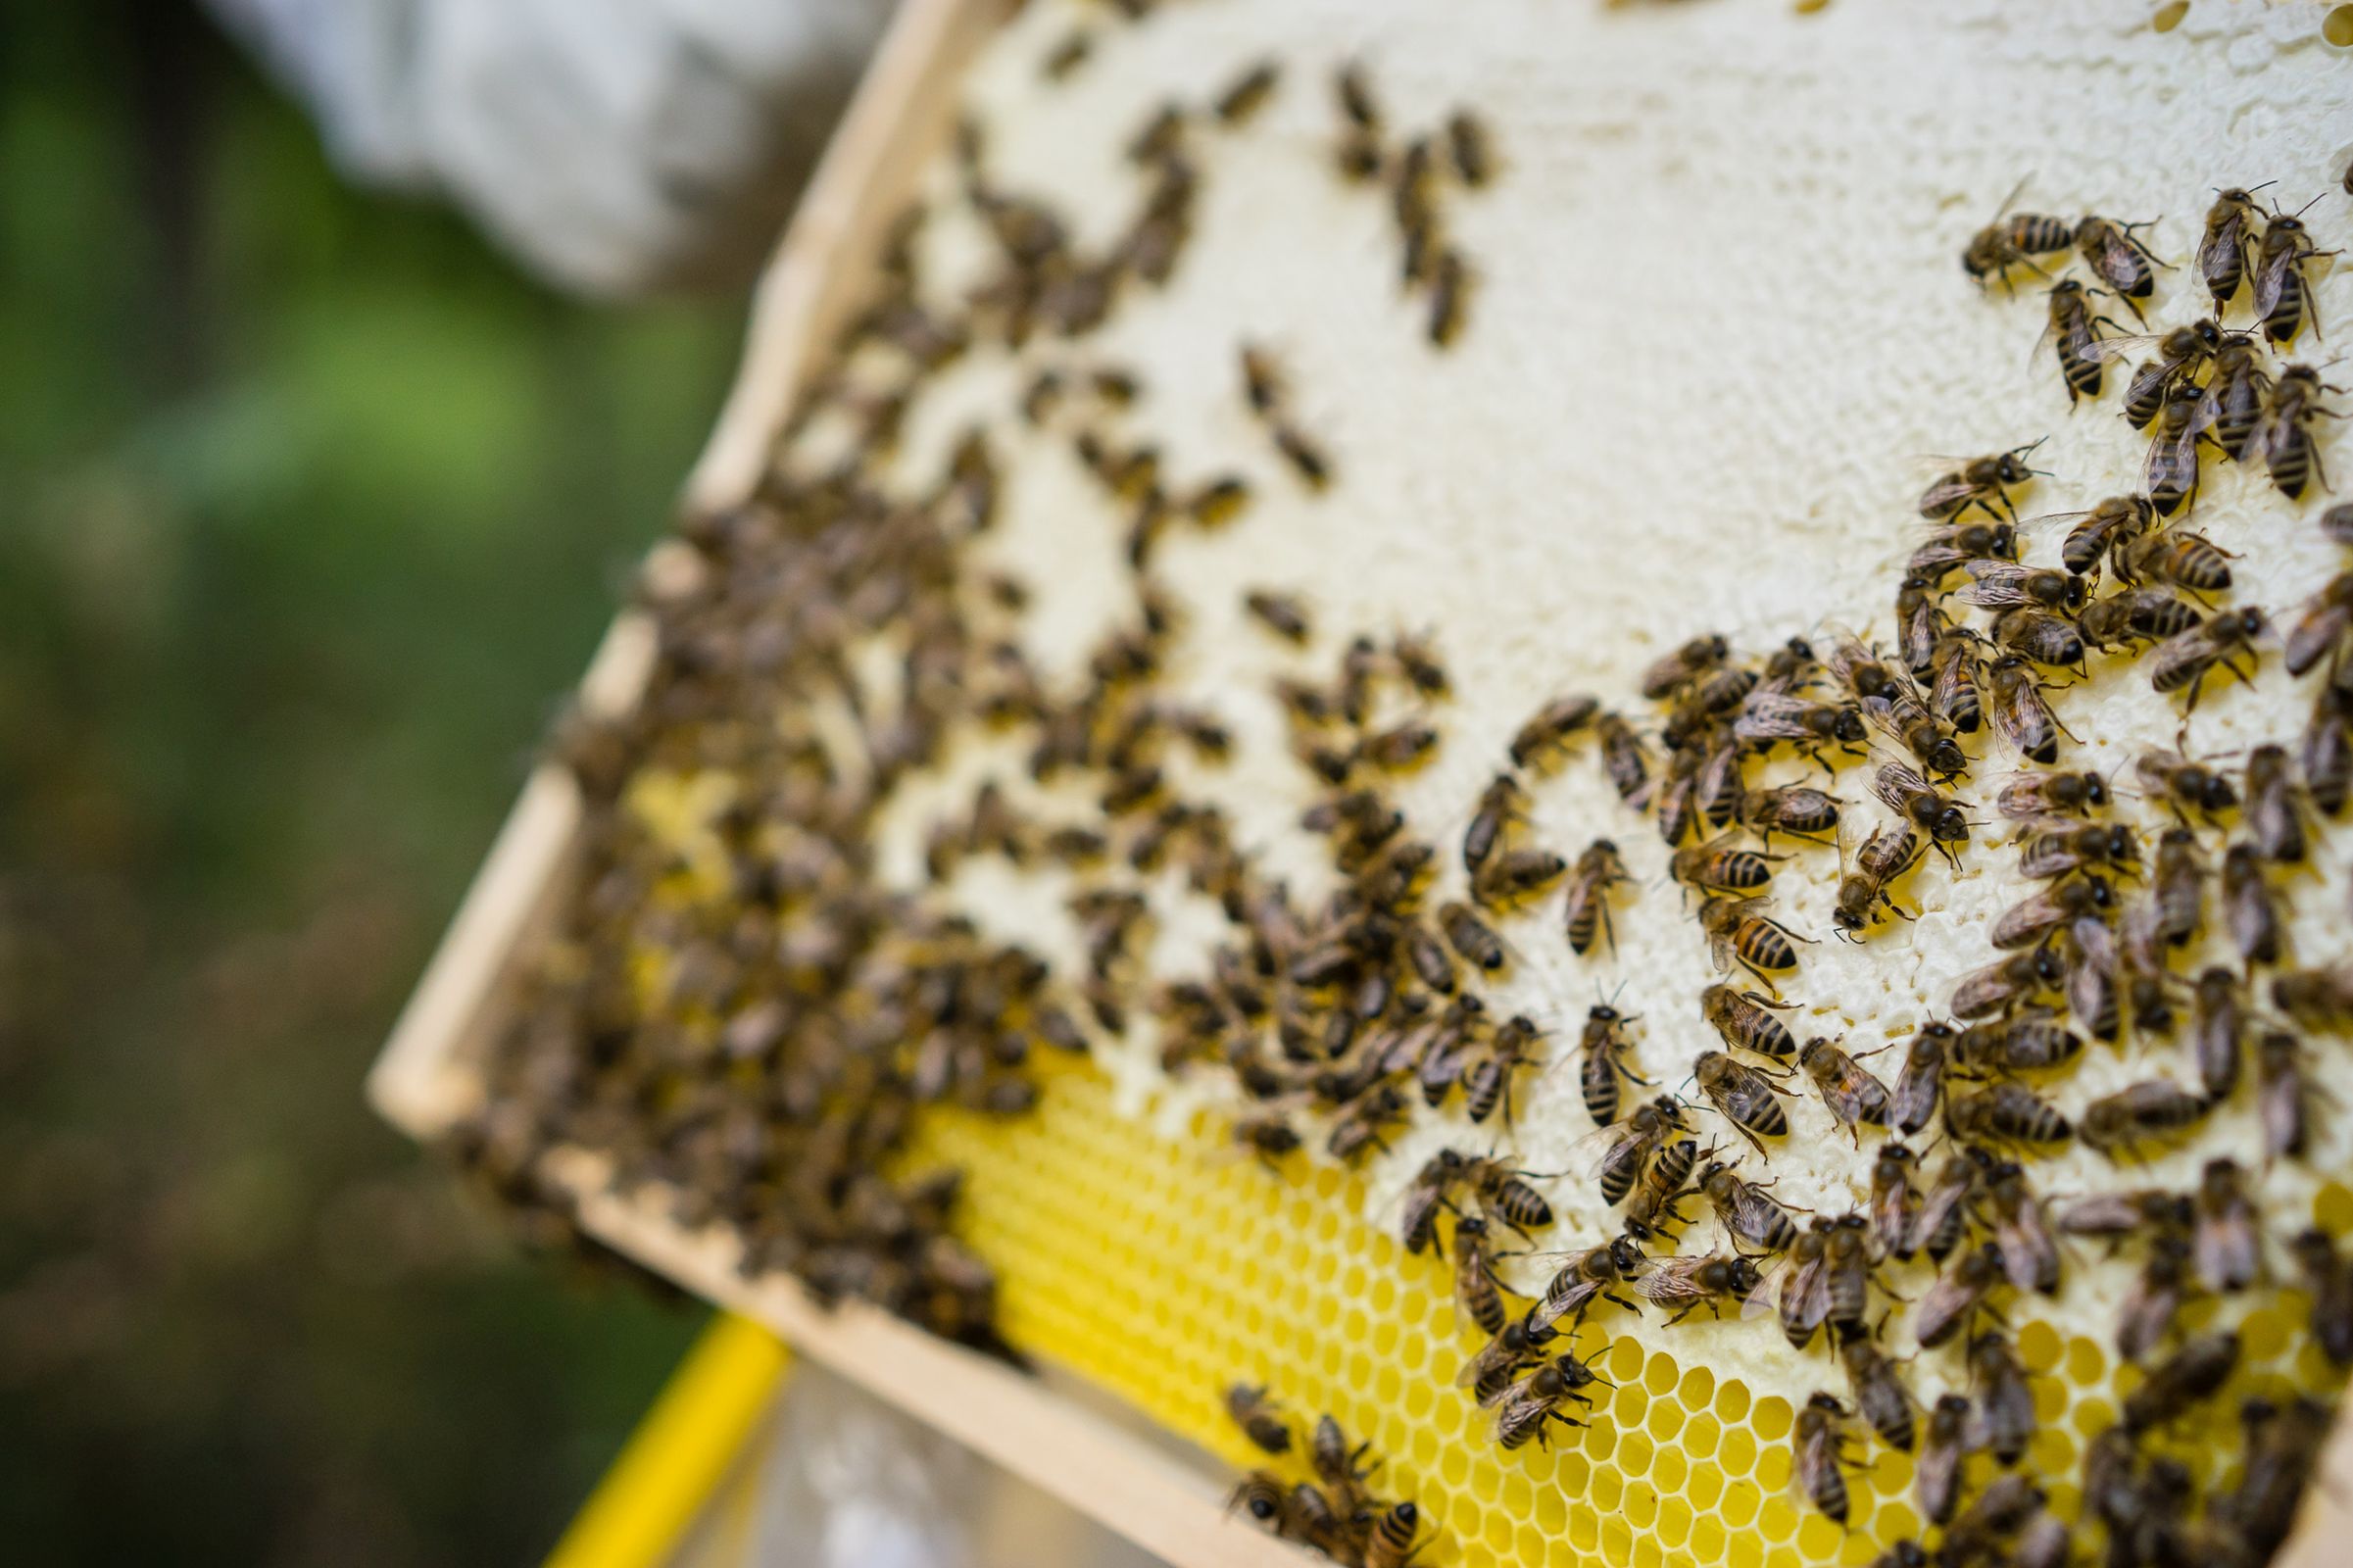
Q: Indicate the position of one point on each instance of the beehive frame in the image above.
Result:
(900, 116)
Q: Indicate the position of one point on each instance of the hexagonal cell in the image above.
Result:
(2038, 1345)
(1699, 1435)
(1771, 1418)
(1732, 1403)
(1740, 1503)
(1703, 1485)
(1736, 1450)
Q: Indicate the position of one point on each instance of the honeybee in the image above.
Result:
(1266, 1134)
(2055, 852)
(2094, 970)
(1921, 626)
(1281, 613)
(2176, 904)
(1433, 963)
(1258, 1419)
(1263, 381)
(2134, 616)
(2117, 1125)
(2320, 631)
(1891, 849)
(2236, 394)
(2045, 637)
(1399, 747)
(1956, 1298)
(2027, 1040)
(1741, 1096)
(1914, 800)
(1431, 1188)
(2184, 786)
(1357, 101)
(1516, 875)
(2284, 1095)
(2005, 981)
(2025, 923)
(2189, 657)
(1878, 1391)
(2106, 525)
(1470, 938)
(1471, 147)
(2019, 713)
(2012, 240)
(1602, 1062)
(2325, 753)
(1851, 1094)
(1954, 676)
(1946, 553)
(1390, 1545)
(1820, 1442)
(2169, 476)
(1744, 1210)
(1652, 1208)
(1671, 672)
(2004, 1510)
(2115, 1215)
(2075, 334)
(1417, 660)
(1242, 101)
(1894, 1201)
(1794, 809)
(1584, 1277)
(1451, 284)
(2118, 259)
(2322, 999)
(1477, 1291)
(1623, 755)
(2330, 1282)
(2284, 438)
(1552, 724)
(1803, 1301)
(2283, 1447)
(1904, 718)
(1360, 1123)
(2282, 293)
(2021, 1231)
(2195, 1372)
(1937, 1478)
(2222, 252)
(1527, 1409)
(1587, 910)
(1920, 1084)
(1746, 1019)
(1738, 930)
(2005, 1400)
(2225, 1242)
(1636, 1139)
(1503, 1360)
(1306, 457)
(1981, 483)
(1721, 865)
(2251, 909)
(1767, 719)
(2181, 354)
(1487, 1076)
(2178, 557)
(1688, 1284)
(2006, 1113)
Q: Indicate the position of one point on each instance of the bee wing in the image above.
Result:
(1946, 495)
(2014, 714)
(1764, 1299)
(1773, 716)
(2272, 278)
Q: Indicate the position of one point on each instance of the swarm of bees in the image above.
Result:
(1335, 1512)
(757, 1056)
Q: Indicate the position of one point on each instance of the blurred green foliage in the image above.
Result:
(307, 505)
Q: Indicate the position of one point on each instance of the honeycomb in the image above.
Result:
(1164, 1269)
(1134, 1248)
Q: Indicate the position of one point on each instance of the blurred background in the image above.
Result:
(310, 504)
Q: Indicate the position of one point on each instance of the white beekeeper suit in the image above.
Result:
(615, 146)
